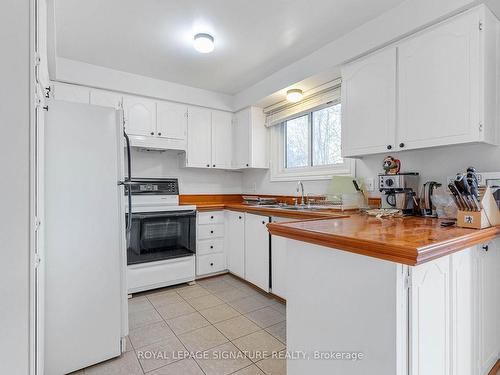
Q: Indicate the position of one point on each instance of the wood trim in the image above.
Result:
(253, 286)
(200, 199)
(496, 369)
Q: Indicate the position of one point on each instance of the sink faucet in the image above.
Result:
(300, 187)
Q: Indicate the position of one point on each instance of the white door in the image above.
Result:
(278, 262)
(241, 139)
(487, 300)
(369, 104)
(84, 236)
(235, 239)
(257, 250)
(439, 85)
(430, 318)
(140, 116)
(171, 120)
(105, 98)
(222, 142)
(199, 143)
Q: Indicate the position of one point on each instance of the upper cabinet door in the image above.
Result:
(171, 120)
(369, 104)
(71, 93)
(439, 85)
(105, 98)
(140, 116)
(241, 139)
(222, 134)
(199, 139)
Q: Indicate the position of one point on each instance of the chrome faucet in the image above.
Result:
(300, 187)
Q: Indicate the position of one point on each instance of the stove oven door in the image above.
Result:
(161, 235)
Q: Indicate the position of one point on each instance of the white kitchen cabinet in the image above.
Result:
(278, 262)
(369, 104)
(235, 240)
(210, 239)
(250, 139)
(430, 318)
(171, 120)
(222, 131)
(140, 116)
(70, 93)
(487, 305)
(442, 83)
(437, 87)
(257, 250)
(199, 138)
(106, 98)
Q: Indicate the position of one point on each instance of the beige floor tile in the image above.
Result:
(250, 370)
(183, 367)
(265, 317)
(165, 298)
(247, 304)
(236, 327)
(126, 364)
(205, 302)
(223, 360)
(150, 334)
(231, 294)
(187, 323)
(193, 291)
(202, 339)
(174, 310)
(278, 331)
(137, 304)
(249, 291)
(281, 307)
(232, 280)
(259, 344)
(128, 344)
(273, 366)
(216, 285)
(159, 354)
(219, 313)
(142, 318)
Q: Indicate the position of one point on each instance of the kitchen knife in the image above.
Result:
(474, 190)
(456, 197)
(463, 189)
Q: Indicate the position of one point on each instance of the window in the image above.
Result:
(309, 146)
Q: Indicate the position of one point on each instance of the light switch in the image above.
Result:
(369, 184)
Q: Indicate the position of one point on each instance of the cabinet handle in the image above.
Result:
(208, 165)
(239, 217)
(485, 247)
(211, 246)
(247, 165)
(152, 133)
(213, 165)
(211, 217)
(389, 147)
(211, 232)
(263, 222)
(401, 145)
(159, 133)
(212, 264)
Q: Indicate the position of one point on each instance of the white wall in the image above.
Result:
(191, 180)
(14, 190)
(433, 164)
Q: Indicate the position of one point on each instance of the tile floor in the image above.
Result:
(217, 317)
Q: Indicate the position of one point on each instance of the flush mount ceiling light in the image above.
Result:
(294, 95)
(204, 43)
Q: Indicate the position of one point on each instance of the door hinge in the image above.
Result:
(37, 261)
(37, 223)
(481, 26)
(407, 281)
(480, 126)
(37, 59)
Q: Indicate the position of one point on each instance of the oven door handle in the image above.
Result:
(157, 215)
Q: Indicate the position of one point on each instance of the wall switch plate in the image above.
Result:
(369, 184)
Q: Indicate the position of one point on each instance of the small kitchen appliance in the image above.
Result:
(427, 207)
(399, 191)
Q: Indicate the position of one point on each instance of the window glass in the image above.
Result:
(326, 137)
(297, 142)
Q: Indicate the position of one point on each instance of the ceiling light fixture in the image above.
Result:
(204, 43)
(294, 95)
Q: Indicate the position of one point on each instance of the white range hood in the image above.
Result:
(157, 143)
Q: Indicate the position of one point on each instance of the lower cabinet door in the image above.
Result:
(257, 240)
(235, 239)
(278, 262)
(430, 318)
(210, 263)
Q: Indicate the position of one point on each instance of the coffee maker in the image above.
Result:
(399, 191)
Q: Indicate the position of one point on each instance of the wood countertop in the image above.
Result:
(408, 240)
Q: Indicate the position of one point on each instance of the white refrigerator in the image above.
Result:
(84, 313)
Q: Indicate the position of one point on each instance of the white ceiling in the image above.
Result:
(253, 38)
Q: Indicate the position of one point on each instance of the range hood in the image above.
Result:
(157, 143)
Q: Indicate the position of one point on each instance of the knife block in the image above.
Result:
(488, 216)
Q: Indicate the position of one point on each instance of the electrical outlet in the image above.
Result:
(369, 184)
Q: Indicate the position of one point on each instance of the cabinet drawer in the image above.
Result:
(210, 246)
(210, 231)
(210, 263)
(212, 217)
